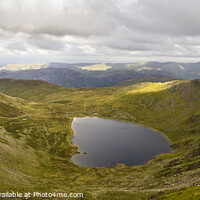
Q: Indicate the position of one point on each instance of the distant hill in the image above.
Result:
(74, 78)
(99, 75)
(20, 67)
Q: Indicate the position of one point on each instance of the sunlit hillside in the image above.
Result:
(39, 134)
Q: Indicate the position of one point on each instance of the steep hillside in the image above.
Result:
(41, 136)
(11, 107)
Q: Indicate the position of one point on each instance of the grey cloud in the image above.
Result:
(178, 17)
(16, 46)
(75, 17)
(46, 42)
(113, 27)
(94, 17)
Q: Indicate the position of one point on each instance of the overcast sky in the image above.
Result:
(99, 30)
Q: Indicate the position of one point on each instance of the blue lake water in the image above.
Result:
(104, 143)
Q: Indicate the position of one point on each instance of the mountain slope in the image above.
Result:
(99, 75)
(28, 89)
(41, 137)
(10, 106)
(73, 78)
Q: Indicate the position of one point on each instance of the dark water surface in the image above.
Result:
(104, 143)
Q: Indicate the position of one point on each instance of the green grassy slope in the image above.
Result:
(11, 107)
(28, 89)
(151, 79)
(41, 136)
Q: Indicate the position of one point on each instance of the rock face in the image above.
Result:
(98, 75)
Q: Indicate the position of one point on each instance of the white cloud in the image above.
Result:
(106, 29)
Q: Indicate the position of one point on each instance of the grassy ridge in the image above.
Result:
(41, 137)
(151, 79)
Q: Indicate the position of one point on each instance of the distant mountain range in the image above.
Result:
(99, 75)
